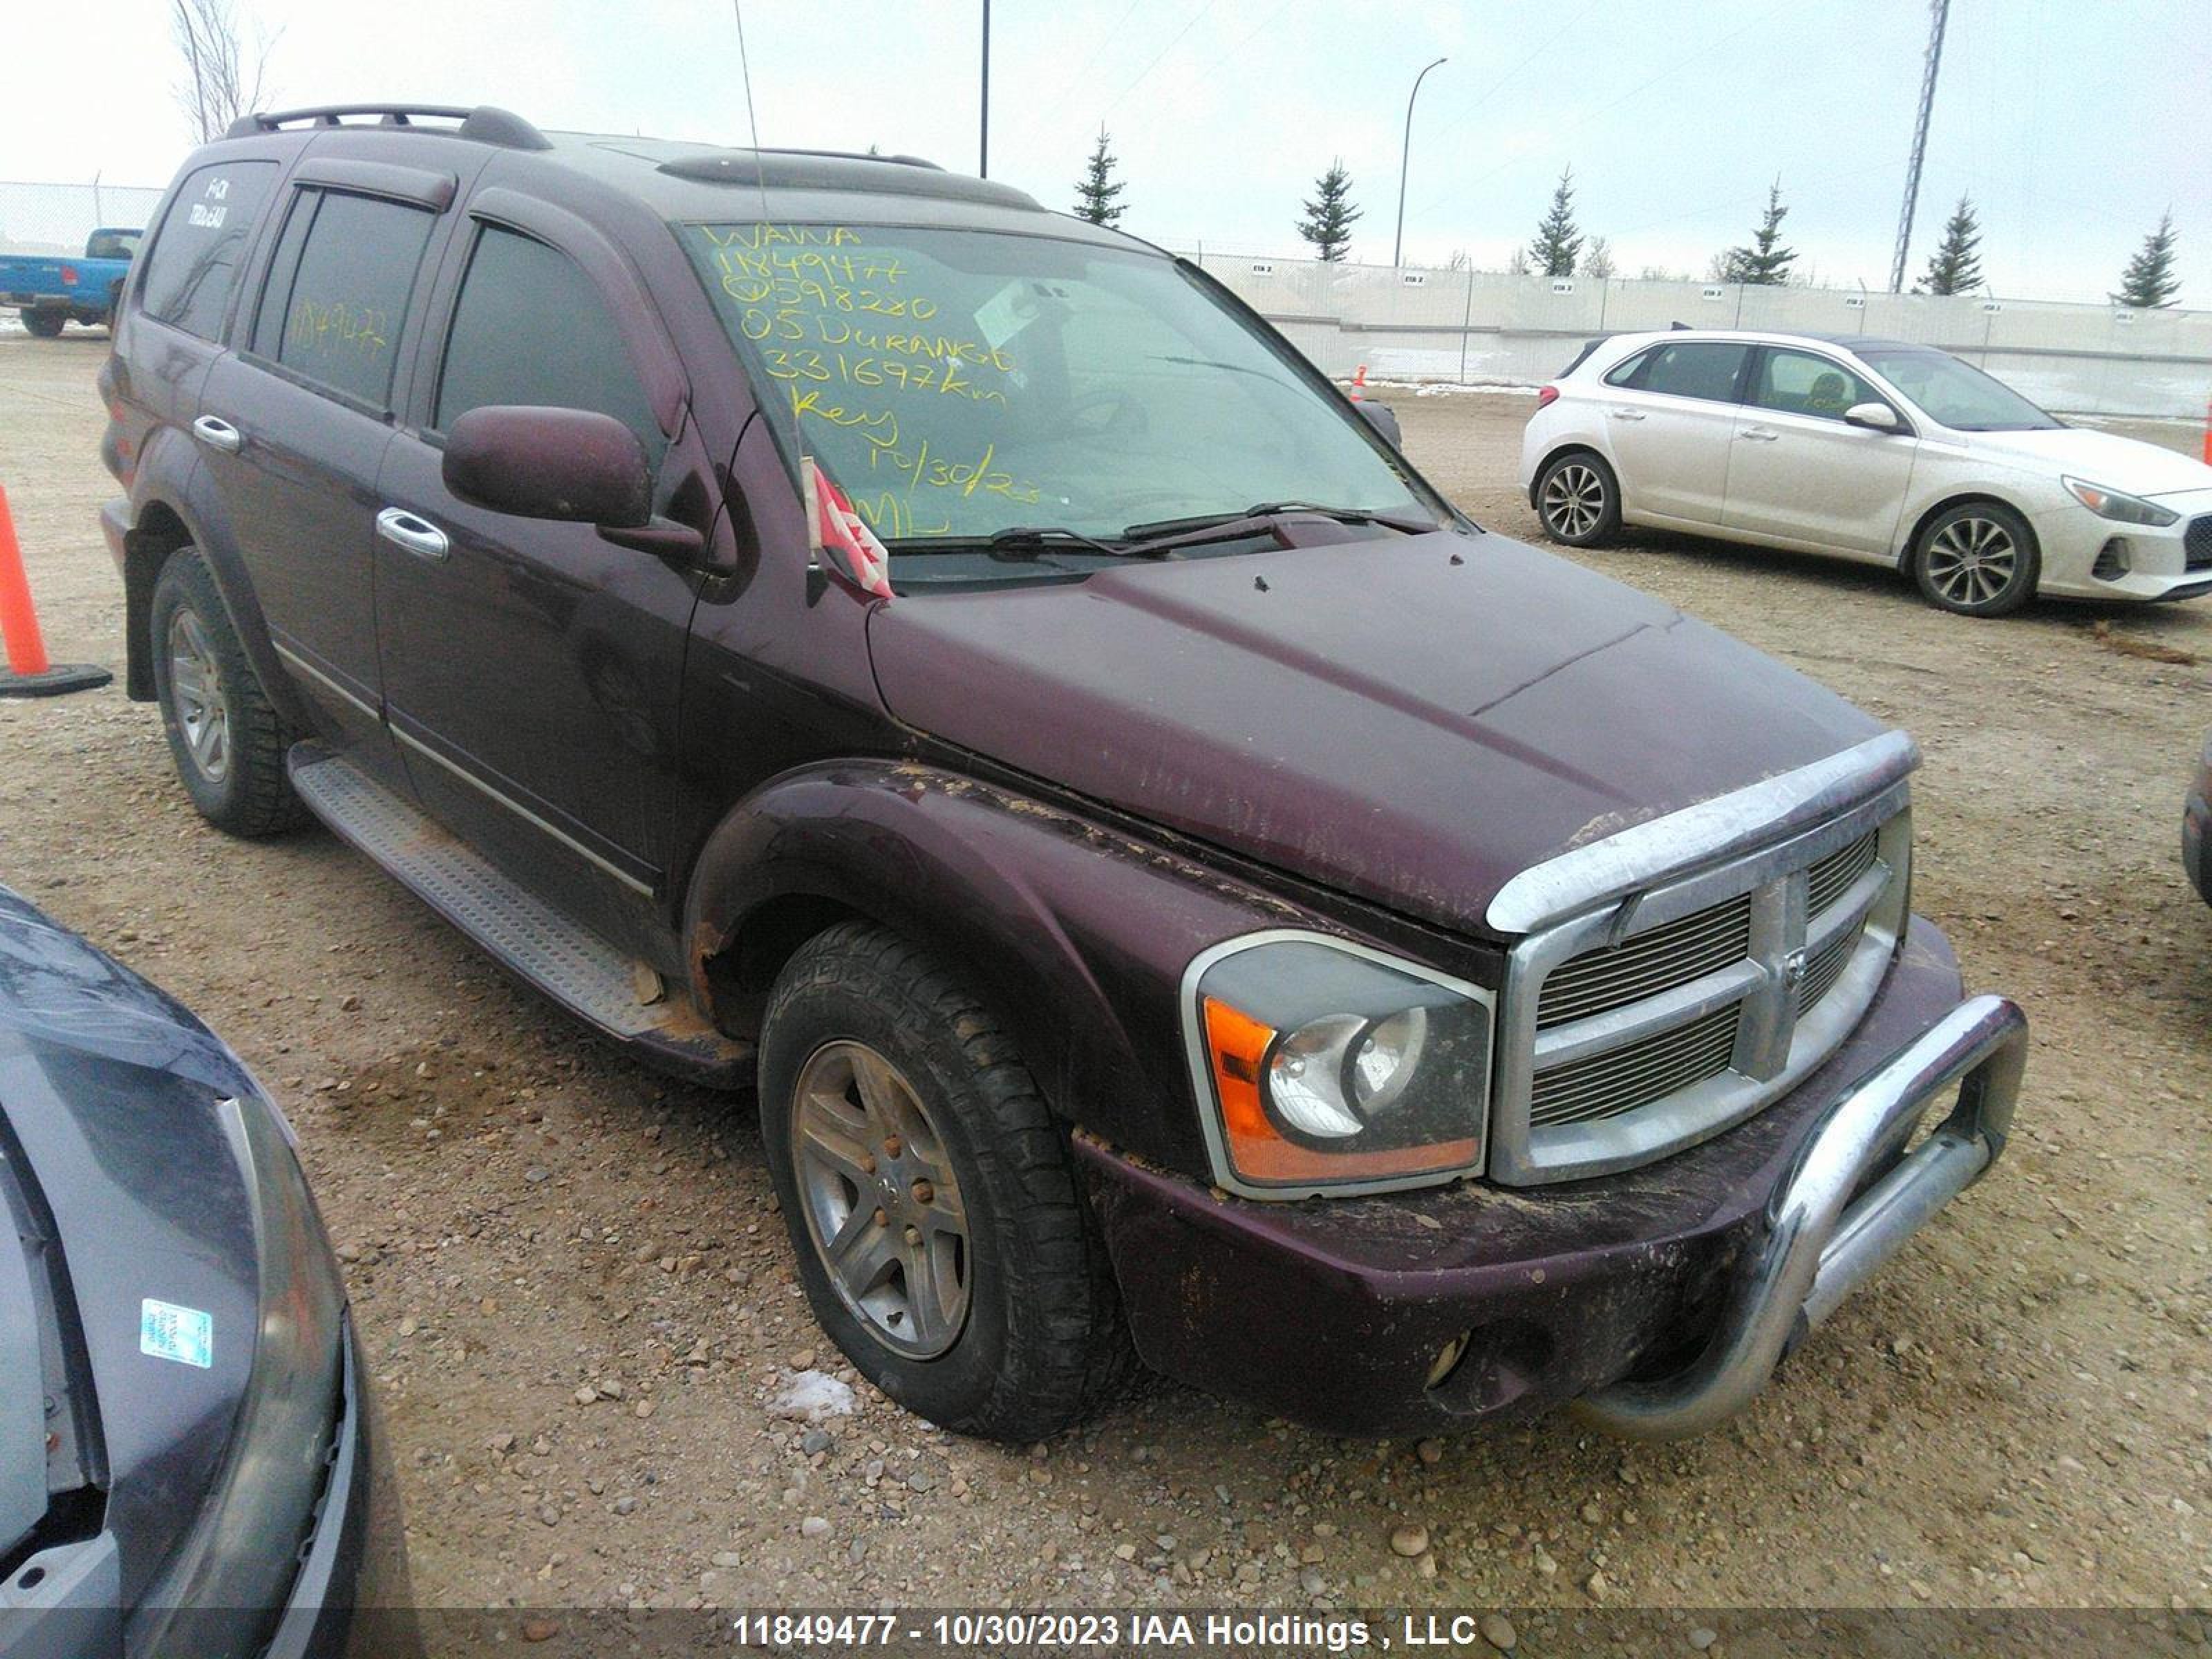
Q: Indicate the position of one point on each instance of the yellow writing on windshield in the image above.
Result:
(855, 340)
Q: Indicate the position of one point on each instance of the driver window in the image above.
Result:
(531, 328)
(1799, 383)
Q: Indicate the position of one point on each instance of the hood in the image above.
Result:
(1413, 720)
(117, 1157)
(2128, 464)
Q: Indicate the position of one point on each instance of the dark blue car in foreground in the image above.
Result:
(2196, 825)
(188, 1462)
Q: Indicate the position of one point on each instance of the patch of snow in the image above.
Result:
(812, 1396)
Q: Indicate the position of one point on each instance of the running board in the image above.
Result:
(560, 957)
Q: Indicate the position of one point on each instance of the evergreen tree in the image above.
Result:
(1329, 215)
(2149, 282)
(1558, 243)
(1764, 262)
(1095, 192)
(1597, 259)
(1954, 267)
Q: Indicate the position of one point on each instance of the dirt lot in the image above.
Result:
(2015, 1415)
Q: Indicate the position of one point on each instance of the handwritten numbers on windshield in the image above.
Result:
(845, 331)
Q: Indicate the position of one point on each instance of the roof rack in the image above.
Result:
(484, 124)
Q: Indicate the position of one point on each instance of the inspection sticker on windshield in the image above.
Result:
(168, 1332)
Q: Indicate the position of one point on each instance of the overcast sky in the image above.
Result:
(2073, 125)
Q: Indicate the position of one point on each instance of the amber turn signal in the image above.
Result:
(1258, 1149)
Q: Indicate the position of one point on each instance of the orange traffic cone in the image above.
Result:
(28, 674)
(1359, 385)
(2208, 432)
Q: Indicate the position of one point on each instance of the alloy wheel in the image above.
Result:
(883, 1205)
(196, 687)
(1972, 561)
(1574, 499)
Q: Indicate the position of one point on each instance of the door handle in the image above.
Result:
(1626, 414)
(218, 433)
(1758, 434)
(417, 535)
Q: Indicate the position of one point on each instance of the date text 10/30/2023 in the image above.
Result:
(962, 1632)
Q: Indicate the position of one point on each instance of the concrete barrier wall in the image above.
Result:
(1480, 327)
(1486, 327)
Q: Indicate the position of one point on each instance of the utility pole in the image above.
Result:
(1938, 13)
(1405, 159)
(983, 144)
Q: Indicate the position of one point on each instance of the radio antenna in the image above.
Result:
(752, 116)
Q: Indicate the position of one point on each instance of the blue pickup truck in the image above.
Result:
(50, 290)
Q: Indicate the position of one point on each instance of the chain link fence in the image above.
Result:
(1489, 328)
(57, 218)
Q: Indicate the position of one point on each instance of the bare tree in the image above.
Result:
(224, 78)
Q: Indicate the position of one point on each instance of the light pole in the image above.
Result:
(1405, 158)
(983, 140)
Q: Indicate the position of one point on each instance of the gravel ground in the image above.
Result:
(578, 1299)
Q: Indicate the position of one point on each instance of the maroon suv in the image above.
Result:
(1180, 890)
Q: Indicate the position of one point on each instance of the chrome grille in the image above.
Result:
(1647, 964)
(1615, 1051)
(1825, 967)
(1830, 879)
(1608, 1084)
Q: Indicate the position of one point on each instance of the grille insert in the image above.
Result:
(1825, 967)
(1832, 877)
(1602, 980)
(1608, 1084)
(2197, 543)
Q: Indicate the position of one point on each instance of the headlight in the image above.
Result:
(1321, 1065)
(227, 1577)
(2123, 509)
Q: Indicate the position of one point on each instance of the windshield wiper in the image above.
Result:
(1412, 526)
(1169, 531)
(1018, 542)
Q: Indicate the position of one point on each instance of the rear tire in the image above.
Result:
(981, 1299)
(1976, 559)
(1578, 500)
(45, 324)
(226, 737)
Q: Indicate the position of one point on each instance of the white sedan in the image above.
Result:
(1871, 450)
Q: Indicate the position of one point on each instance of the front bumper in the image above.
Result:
(1420, 1311)
(2085, 557)
(2197, 837)
(352, 1599)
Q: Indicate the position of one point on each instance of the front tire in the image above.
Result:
(1578, 500)
(927, 1188)
(225, 735)
(45, 324)
(1976, 559)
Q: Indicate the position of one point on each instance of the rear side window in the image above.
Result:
(196, 258)
(531, 328)
(1689, 368)
(337, 300)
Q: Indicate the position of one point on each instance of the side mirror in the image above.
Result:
(570, 464)
(1383, 420)
(1874, 417)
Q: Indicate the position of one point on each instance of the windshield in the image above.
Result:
(960, 384)
(1959, 397)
